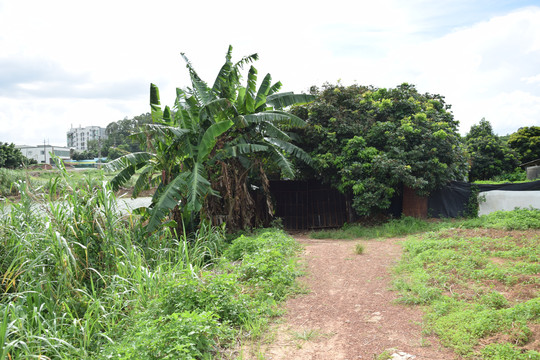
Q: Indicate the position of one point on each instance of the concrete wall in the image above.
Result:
(507, 200)
(533, 172)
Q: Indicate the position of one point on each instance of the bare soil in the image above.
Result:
(350, 311)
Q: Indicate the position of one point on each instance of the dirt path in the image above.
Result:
(349, 312)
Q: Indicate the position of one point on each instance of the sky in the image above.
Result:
(67, 63)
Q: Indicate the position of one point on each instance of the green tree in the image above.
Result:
(526, 142)
(489, 155)
(367, 141)
(209, 142)
(119, 135)
(11, 157)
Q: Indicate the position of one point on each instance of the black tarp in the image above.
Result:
(452, 200)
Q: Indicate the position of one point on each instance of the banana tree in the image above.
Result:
(203, 153)
(174, 161)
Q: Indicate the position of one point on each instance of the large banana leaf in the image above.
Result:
(220, 108)
(168, 199)
(222, 84)
(250, 90)
(198, 187)
(274, 89)
(283, 100)
(283, 163)
(291, 149)
(276, 116)
(260, 100)
(270, 130)
(209, 138)
(165, 131)
(240, 149)
(127, 165)
(143, 182)
(200, 89)
(128, 160)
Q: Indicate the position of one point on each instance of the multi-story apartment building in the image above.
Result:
(77, 138)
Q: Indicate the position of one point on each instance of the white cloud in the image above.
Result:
(531, 79)
(64, 62)
(478, 68)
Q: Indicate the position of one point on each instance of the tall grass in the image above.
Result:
(71, 266)
(75, 272)
(7, 179)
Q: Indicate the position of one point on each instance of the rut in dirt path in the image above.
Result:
(349, 312)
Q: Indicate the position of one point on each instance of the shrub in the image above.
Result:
(184, 336)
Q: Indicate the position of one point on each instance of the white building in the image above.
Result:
(77, 138)
(42, 153)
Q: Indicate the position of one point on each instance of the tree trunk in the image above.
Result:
(236, 205)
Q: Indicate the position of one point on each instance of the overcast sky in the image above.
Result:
(69, 63)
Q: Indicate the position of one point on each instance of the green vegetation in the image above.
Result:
(217, 140)
(79, 280)
(519, 219)
(526, 141)
(391, 228)
(11, 157)
(490, 157)
(480, 284)
(367, 141)
(8, 179)
(44, 180)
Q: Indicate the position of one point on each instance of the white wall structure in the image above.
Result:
(496, 200)
(42, 153)
(77, 138)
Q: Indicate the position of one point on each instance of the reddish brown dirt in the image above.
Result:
(350, 311)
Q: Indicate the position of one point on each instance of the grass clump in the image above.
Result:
(359, 249)
(476, 287)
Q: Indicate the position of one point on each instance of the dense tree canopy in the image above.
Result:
(367, 141)
(526, 141)
(11, 157)
(119, 140)
(489, 155)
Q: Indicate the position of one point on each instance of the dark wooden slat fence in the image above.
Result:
(304, 205)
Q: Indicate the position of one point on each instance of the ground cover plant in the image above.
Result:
(480, 283)
(80, 280)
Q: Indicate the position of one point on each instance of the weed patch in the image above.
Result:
(473, 286)
(392, 228)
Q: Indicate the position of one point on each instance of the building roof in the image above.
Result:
(530, 163)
